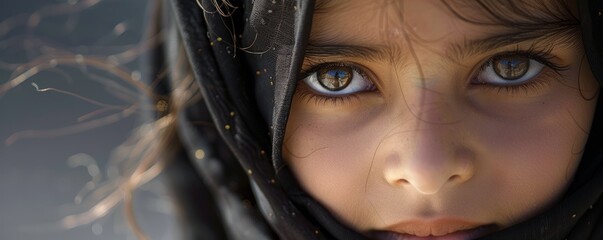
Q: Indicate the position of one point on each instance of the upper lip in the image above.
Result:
(436, 227)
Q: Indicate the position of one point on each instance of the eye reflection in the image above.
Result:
(335, 78)
(512, 67)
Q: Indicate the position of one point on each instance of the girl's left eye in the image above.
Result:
(336, 79)
(508, 71)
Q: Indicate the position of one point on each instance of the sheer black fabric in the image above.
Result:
(230, 182)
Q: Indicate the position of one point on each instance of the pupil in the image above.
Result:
(511, 68)
(335, 78)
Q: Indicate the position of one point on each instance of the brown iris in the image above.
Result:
(335, 78)
(511, 67)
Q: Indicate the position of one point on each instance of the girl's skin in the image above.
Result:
(428, 139)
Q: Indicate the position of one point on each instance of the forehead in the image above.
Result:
(376, 21)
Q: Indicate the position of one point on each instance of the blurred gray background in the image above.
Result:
(43, 170)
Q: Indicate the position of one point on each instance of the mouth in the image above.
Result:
(434, 230)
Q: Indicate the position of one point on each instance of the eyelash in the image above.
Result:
(308, 95)
(544, 57)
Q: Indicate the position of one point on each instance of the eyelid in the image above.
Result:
(543, 56)
(551, 70)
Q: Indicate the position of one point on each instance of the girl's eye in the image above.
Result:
(509, 70)
(337, 80)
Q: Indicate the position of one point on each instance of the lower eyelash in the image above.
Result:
(540, 82)
(305, 94)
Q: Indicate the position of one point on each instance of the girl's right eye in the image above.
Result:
(338, 80)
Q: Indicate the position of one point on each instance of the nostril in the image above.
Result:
(454, 178)
(401, 182)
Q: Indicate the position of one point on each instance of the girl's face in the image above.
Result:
(413, 122)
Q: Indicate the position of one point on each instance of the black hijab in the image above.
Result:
(230, 181)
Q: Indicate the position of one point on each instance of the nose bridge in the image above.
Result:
(431, 152)
(430, 102)
(432, 131)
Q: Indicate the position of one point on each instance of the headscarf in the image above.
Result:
(230, 181)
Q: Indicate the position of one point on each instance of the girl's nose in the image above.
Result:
(428, 162)
(430, 157)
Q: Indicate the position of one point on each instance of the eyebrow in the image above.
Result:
(373, 53)
(468, 48)
(456, 51)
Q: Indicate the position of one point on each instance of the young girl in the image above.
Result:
(384, 119)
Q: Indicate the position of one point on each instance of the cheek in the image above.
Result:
(532, 158)
(332, 160)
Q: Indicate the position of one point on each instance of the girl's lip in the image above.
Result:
(443, 229)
